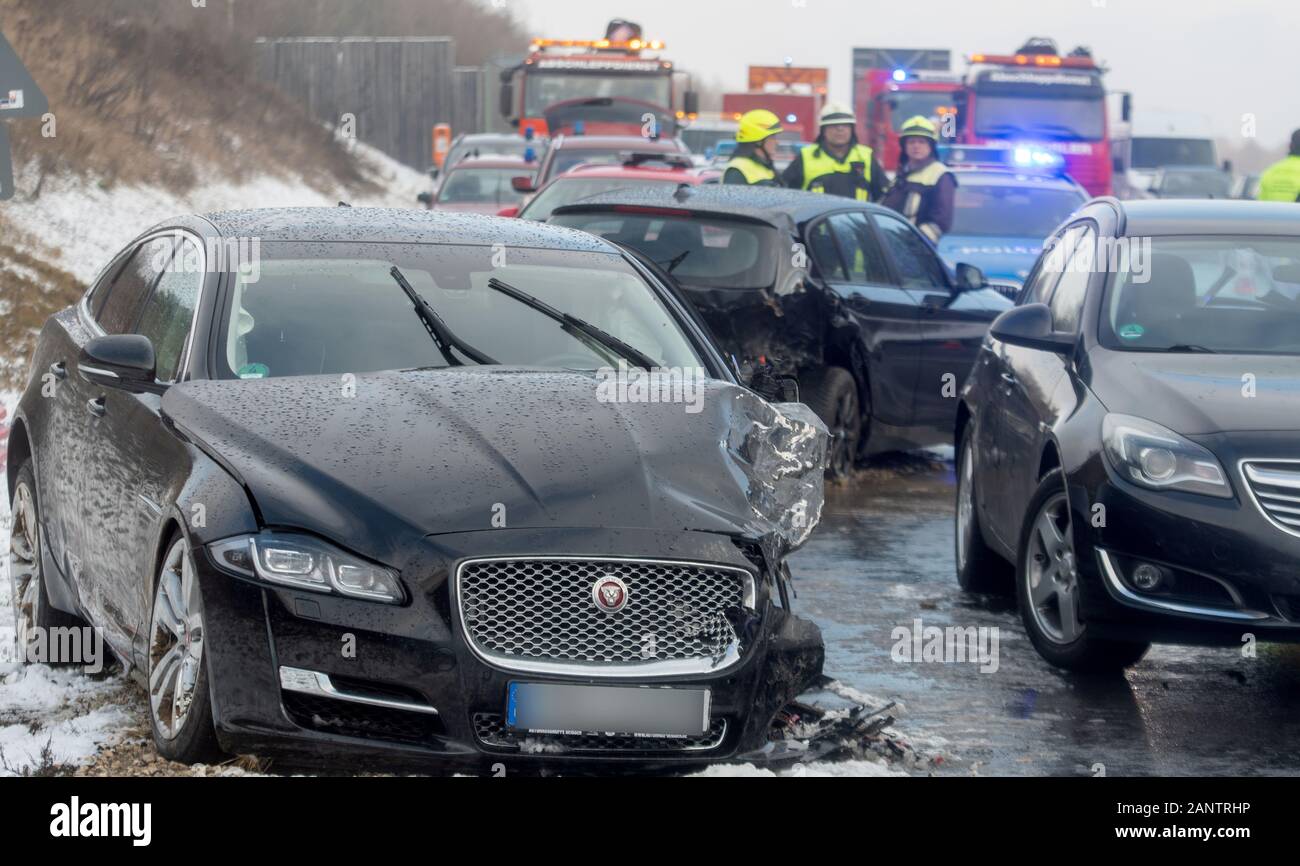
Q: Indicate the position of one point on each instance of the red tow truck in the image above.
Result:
(610, 86)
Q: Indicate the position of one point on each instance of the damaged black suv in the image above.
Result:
(846, 297)
(367, 497)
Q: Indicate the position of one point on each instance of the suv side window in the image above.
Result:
(1067, 300)
(170, 310)
(126, 297)
(918, 265)
(862, 254)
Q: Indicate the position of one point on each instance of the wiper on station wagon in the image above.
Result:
(573, 325)
(443, 337)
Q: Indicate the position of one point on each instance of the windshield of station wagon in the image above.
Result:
(1238, 295)
(335, 308)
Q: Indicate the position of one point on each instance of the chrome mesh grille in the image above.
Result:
(542, 609)
(1276, 488)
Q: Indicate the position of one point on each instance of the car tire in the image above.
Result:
(180, 704)
(833, 394)
(31, 598)
(979, 567)
(1047, 589)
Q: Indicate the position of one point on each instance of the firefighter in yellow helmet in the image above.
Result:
(1281, 182)
(837, 163)
(755, 150)
(924, 188)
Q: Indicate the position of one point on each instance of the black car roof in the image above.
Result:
(1208, 217)
(399, 226)
(773, 205)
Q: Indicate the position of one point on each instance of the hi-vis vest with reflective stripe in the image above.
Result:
(917, 186)
(1281, 182)
(817, 163)
(753, 170)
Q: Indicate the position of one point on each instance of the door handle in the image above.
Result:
(1008, 378)
(59, 370)
(96, 407)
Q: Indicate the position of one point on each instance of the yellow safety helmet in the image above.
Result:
(757, 125)
(836, 113)
(919, 127)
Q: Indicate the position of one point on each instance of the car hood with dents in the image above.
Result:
(443, 451)
(1199, 393)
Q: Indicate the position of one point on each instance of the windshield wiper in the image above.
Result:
(443, 338)
(574, 325)
(671, 265)
(1191, 347)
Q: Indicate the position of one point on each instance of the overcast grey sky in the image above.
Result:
(1224, 59)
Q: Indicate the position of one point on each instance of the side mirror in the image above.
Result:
(1126, 108)
(1227, 166)
(1117, 165)
(1030, 326)
(425, 198)
(691, 102)
(434, 172)
(508, 212)
(970, 278)
(523, 184)
(124, 362)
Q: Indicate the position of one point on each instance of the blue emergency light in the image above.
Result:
(900, 75)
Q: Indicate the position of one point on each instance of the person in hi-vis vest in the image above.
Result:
(755, 150)
(924, 188)
(837, 164)
(1281, 182)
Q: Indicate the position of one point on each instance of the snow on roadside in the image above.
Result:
(82, 224)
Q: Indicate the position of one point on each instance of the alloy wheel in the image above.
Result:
(844, 435)
(25, 566)
(175, 642)
(1052, 573)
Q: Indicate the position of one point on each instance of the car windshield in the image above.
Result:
(482, 186)
(1196, 184)
(1157, 152)
(709, 252)
(904, 105)
(335, 309)
(1011, 211)
(567, 190)
(1232, 295)
(543, 90)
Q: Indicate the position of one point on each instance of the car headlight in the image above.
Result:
(305, 562)
(1153, 456)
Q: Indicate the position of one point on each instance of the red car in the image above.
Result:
(635, 170)
(568, 151)
(484, 184)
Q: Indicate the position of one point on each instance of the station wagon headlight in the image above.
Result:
(1156, 457)
(305, 562)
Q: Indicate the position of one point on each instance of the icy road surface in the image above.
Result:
(883, 556)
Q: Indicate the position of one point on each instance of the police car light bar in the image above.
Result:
(1019, 157)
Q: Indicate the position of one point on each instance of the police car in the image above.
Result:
(1008, 201)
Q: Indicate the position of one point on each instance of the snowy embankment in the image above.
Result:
(60, 720)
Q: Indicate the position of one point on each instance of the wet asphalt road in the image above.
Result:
(883, 556)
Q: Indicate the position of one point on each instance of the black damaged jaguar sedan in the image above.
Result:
(358, 491)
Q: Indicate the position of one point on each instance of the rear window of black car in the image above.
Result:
(712, 252)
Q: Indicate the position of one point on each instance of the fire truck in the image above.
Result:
(891, 85)
(619, 85)
(1038, 98)
(1034, 98)
(793, 93)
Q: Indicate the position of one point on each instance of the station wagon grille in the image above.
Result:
(1276, 488)
(539, 614)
